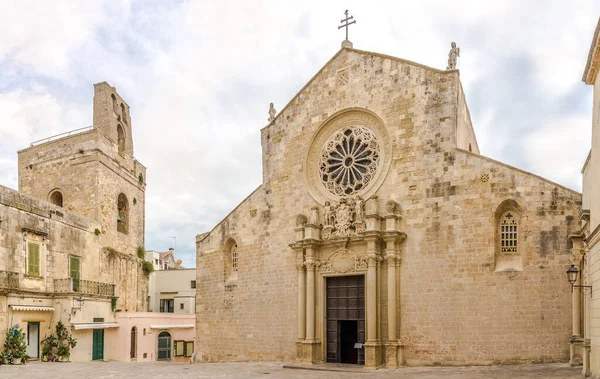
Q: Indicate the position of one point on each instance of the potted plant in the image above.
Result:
(49, 347)
(57, 348)
(15, 347)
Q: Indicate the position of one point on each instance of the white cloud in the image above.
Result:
(556, 152)
(199, 77)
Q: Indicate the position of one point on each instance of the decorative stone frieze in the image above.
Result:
(344, 261)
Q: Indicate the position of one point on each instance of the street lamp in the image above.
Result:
(80, 300)
(572, 274)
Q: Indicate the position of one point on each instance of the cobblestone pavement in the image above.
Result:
(35, 370)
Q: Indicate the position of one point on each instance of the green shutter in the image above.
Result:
(74, 272)
(74, 268)
(33, 259)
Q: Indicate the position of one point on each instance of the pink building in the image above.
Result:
(151, 336)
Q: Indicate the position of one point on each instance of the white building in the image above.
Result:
(172, 287)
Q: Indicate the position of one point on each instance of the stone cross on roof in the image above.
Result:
(347, 23)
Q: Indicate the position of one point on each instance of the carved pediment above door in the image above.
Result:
(343, 261)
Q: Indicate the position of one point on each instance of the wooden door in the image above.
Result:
(345, 302)
(98, 344)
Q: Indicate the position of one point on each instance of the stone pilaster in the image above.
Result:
(392, 238)
(576, 341)
(301, 335)
(310, 344)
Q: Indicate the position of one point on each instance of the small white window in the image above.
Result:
(234, 258)
(508, 233)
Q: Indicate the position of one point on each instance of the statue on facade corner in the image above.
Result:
(272, 112)
(359, 212)
(314, 216)
(452, 56)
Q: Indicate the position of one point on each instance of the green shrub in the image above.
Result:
(147, 267)
(141, 252)
(113, 303)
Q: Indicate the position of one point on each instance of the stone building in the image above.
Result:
(381, 236)
(585, 341)
(69, 236)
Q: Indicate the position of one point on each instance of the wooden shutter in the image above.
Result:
(33, 259)
(189, 349)
(179, 348)
(75, 268)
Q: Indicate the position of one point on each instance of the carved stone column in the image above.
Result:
(301, 302)
(391, 347)
(372, 299)
(373, 344)
(392, 238)
(310, 300)
(311, 342)
(300, 267)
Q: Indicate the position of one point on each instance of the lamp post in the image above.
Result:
(572, 273)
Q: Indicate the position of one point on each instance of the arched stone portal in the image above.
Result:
(359, 244)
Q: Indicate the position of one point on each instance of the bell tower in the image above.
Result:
(92, 172)
(112, 117)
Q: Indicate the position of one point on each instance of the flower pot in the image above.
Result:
(16, 361)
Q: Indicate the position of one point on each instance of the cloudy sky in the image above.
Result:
(199, 76)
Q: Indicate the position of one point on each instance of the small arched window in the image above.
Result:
(120, 139)
(508, 233)
(230, 261)
(133, 349)
(122, 214)
(114, 103)
(56, 198)
(508, 249)
(234, 258)
(470, 149)
(123, 113)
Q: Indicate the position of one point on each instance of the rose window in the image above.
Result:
(349, 160)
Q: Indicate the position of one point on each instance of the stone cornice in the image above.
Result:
(592, 239)
(593, 61)
(394, 234)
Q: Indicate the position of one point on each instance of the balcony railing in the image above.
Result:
(9, 280)
(84, 287)
(62, 135)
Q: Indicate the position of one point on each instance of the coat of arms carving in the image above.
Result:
(344, 219)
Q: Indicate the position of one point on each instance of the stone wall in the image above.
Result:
(455, 307)
(465, 135)
(60, 234)
(61, 165)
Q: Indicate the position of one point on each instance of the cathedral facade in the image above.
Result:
(380, 236)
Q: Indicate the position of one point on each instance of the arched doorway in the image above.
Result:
(164, 346)
(133, 349)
